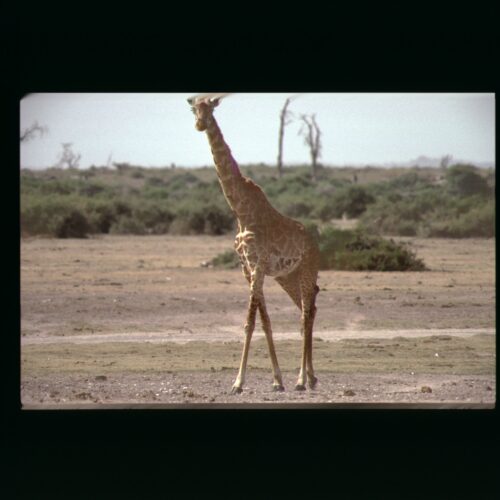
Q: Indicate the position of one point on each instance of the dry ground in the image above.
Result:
(118, 319)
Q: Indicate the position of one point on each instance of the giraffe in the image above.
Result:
(268, 244)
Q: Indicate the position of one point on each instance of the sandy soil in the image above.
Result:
(137, 319)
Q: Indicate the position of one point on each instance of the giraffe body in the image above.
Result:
(268, 244)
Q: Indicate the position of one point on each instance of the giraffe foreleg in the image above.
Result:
(256, 294)
(249, 328)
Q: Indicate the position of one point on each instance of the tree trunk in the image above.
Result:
(283, 123)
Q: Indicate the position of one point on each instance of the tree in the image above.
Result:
(285, 119)
(29, 133)
(445, 161)
(312, 138)
(68, 157)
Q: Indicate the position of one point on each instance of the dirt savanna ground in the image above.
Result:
(137, 319)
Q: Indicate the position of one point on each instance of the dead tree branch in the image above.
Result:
(29, 133)
(312, 138)
(285, 119)
(68, 157)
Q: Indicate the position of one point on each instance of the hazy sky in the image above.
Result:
(158, 129)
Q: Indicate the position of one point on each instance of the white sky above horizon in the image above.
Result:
(156, 130)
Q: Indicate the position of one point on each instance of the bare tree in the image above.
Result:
(312, 138)
(445, 161)
(68, 157)
(29, 133)
(110, 160)
(285, 119)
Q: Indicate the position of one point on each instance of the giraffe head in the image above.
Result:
(203, 110)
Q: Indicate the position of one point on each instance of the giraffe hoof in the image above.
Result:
(278, 388)
(236, 390)
(312, 382)
(300, 387)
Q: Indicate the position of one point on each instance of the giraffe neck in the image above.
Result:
(229, 174)
(245, 198)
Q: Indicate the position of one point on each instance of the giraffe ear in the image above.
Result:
(215, 101)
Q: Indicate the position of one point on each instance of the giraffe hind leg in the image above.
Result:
(266, 326)
(308, 290)
(308, 327)
(307, 320)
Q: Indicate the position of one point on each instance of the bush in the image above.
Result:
(92, 189)
(464, 180)
(291, 184)
(128, 225)
(354, 251)
(211, 220)
(351, 201)
(226, 260)
(298, 209)
(44, 214)
(155, 182)
(477, 223)
(121, 207)
(191, 202)
(217, 221)
(188, 223)
(156, 219)
(155, 193)
(182, 181)
(73, 225)
(101, 217)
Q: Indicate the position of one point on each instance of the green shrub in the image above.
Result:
(298, 209)
(155, 182)
(405, 228)
(479, 222)
(128, 225)
(202, 220)
(464, 180)
(188, 223)
(217, 220)
(182, 181)
(122, 207)
(355, 251)
(73, 225)
(351, 201)
(101, 217)
(59, 186)
(156, 219)
(155, 193)
(181, 226)
(92, 189)
(44, 214)
(290, 184)
(191, 202)
(226, 260)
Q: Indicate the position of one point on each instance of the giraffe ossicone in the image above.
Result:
(268, 244)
